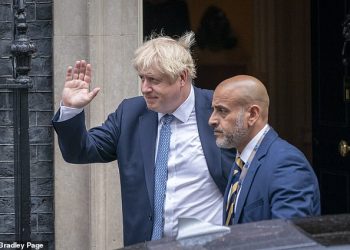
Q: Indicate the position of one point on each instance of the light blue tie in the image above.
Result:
(161, 176)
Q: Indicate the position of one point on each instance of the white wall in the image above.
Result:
(87, 197)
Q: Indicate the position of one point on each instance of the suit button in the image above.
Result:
(150, 217)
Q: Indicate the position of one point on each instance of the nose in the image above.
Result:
(213, 121)
(145, 86)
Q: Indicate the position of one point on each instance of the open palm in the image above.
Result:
(76, 92)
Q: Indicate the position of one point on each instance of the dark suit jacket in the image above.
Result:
(129, 135)
(280, 183)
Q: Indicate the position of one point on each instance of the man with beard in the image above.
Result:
(270, 178)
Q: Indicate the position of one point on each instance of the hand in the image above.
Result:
(76, 93)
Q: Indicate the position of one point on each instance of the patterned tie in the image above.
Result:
(234, 188)
(161, 176)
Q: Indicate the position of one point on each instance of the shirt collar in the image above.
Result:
(184, 111)
(250, 146)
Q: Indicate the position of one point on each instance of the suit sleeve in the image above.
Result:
(294, 188)
(81, 146)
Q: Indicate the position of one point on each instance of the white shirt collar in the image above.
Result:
(184, 111)
(250, 146)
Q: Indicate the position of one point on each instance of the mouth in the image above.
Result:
(150, 98)
(217, 132)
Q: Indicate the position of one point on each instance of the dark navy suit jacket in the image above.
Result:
(280, 183)
(129, 136)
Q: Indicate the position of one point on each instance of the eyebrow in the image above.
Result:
(219, 106)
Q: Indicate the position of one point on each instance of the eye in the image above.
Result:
(222, 110)
(154, 80)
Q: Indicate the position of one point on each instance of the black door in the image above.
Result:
(331, 104)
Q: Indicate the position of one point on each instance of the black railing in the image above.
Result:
(22, 50)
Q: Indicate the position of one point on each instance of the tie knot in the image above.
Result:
(167, 119)
(239, 162)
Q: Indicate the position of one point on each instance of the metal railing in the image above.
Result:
(22, 50)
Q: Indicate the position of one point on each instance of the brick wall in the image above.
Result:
(39, 19)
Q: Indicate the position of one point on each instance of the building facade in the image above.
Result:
(105, 33)
(39, 20)
(72, 207)
(79, 206)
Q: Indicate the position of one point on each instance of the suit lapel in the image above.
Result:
(253, 168)
(148, 128)
(211, 151)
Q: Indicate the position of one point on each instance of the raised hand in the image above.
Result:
(76, 92)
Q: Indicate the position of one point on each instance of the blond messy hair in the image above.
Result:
(168, 55)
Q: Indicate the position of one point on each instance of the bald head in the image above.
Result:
(246, 90)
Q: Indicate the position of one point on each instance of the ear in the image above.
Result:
(254, 114)
(183, 77)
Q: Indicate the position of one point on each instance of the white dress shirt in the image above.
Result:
(67, 113)
(190, 191)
